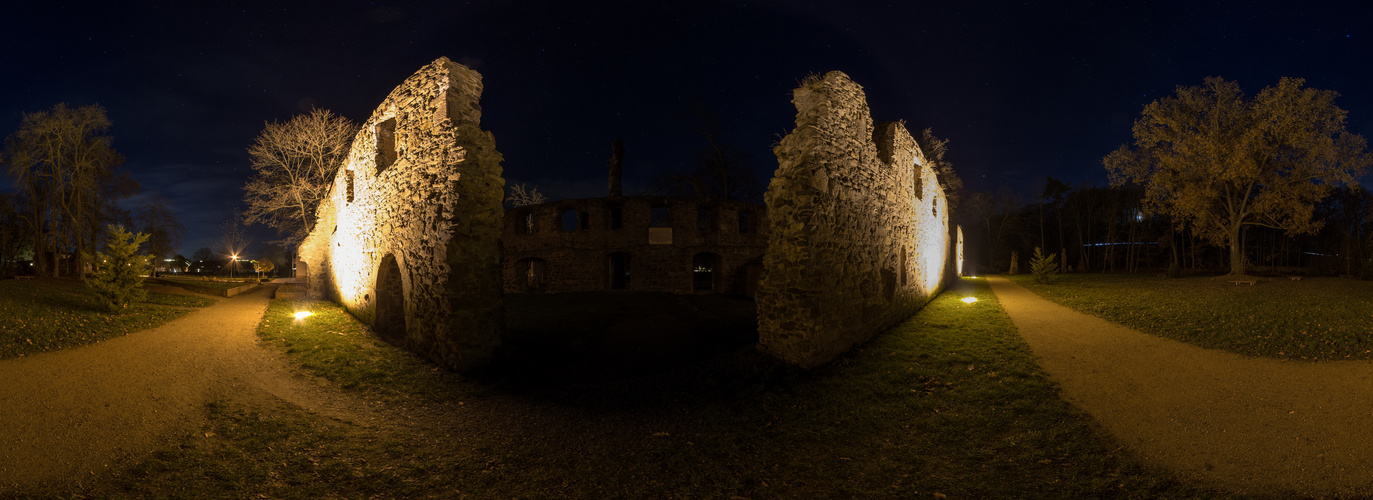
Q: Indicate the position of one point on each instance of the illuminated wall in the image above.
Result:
(417, 205)
(859, 234)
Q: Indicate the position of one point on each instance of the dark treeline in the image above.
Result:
(1106, 229)
(68, 186)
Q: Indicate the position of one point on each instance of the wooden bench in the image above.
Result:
(1346, 276)
(1244, 282)
(24, 277)
(1294, 278)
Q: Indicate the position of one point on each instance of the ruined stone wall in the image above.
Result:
(566, 246)
(408, 240)
(859, 236)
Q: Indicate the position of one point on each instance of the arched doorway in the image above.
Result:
(704, 277)
(390, 318)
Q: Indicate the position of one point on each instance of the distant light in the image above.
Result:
(302, 314)
(969, 300)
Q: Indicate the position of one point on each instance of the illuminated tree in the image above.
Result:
(118, 274)
(293, 167)
(935, 149)
(1216, 160)
(521, 195)
(263, 266)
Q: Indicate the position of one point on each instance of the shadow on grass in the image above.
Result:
(603, 337)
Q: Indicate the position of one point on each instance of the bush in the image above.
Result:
(117, 276)
(1015, 264)
(1044, 268)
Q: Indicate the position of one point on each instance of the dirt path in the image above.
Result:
(67, 416)
(1253, 425)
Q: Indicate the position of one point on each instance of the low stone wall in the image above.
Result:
(859, 236)
(409, 238)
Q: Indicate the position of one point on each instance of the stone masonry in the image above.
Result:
(409, 238)
(859, 236)
(635, 244)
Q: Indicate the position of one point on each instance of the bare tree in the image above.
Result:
(934, 150)
(721, 170)
(521, 195)
(163, 229)
(293, 166)
(62, 162)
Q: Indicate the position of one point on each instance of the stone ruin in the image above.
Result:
(409, 238)
(860, 235)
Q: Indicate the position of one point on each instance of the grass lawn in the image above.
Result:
(45, 314)
(948, 404)
(1315, 319)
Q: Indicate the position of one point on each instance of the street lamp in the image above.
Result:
(233, 262)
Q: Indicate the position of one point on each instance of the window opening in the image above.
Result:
(619, 271)
(569, 219)
(349, 191)
(705, 219)
(616, 217)
(386, 144)
(745, 221)
(703, 271)
(661, 217)
(525, 223)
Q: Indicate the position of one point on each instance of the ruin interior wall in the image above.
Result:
(859, 236)
(573, 239)
(421, 194)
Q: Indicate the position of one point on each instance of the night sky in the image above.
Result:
(1022, 90)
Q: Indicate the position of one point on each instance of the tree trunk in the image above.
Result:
(1236, 251)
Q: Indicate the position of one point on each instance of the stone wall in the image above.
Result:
(408, 240)
(694, 245)
(859, 236)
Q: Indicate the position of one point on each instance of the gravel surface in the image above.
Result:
(68, 416)
(1251, 425)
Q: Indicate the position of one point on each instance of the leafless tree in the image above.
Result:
(521, 195)
(293, 166)
(163, 229)
(63, 162)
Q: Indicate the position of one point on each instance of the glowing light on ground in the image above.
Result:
(969, 300)
(302, 314)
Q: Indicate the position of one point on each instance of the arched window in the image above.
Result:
(386, 144)
(568, 219)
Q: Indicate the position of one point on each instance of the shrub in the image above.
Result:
(1044, 268)
(116, 277)
(1015, 263)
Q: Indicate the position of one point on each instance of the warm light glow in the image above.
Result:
(302, 314)
(969, 300)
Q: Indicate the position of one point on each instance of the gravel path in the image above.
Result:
(1252, 425)
(67, 416)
